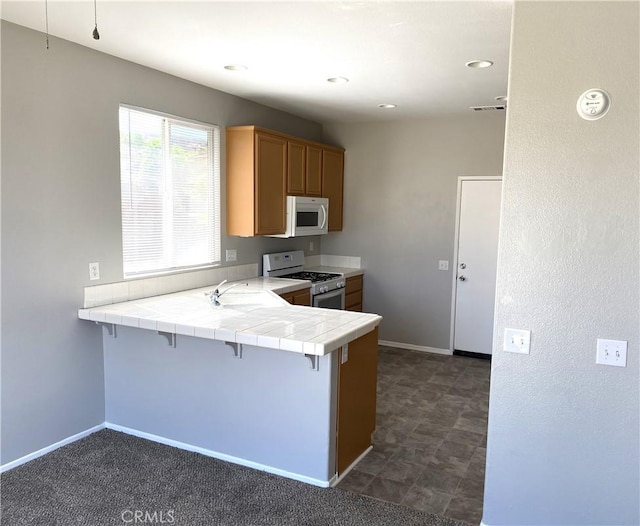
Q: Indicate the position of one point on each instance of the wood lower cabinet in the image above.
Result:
(332, 185)
(256, 182)
(353, 293)
(298, 297)
(357, 380)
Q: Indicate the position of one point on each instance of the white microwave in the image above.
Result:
(306, 216)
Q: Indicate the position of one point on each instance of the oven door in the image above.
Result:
(330, 300)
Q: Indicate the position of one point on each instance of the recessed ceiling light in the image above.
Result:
(338, 80)
(501, 98)
(236, 67)
(387, 106)
(479, 64)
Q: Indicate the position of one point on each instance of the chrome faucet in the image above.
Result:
(214, 295)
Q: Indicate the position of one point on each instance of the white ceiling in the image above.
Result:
(412, 54)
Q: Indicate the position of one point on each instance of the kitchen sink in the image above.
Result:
(249, 300)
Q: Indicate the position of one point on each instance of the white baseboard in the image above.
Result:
(48, 449)
(411, 347)
(336, 479)
(220, 456)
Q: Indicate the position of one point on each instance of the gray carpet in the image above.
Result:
(105, 478)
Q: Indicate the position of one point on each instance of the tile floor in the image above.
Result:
(430, 443)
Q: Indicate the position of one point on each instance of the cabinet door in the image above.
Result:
(302, 297)
(353, 294)
(332, 182)
(296, 168)
(314, 171)
(357, 380)
(270, 184)
(288, 296)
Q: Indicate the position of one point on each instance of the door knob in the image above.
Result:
(462, 278)
(463, 266)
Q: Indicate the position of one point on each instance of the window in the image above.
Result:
(170, 191)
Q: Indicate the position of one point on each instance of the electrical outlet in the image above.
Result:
(443, 264)
(232, 255)
(517, 340)
(94, 271)
(310, 246)
(611, 352)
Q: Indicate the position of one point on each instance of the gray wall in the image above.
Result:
(399, 213)
(61, 210)
(563, 446)
(268, 407)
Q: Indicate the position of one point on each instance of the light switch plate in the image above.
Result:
(517, 340)
(611, 352)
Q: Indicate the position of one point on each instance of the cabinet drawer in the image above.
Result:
(298, 297)
(352, 284)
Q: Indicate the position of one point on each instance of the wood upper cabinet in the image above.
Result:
(304, 169)
(264, 166)
(256, 182)
(296, 168)
(332, 185)
(314, 171)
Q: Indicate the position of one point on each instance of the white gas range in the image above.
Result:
(327, 288)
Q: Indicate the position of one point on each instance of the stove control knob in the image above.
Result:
(340, 284)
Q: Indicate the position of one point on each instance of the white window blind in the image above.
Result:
(170, 190)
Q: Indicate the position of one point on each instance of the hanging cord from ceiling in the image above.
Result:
(46, 20)
(96, 35)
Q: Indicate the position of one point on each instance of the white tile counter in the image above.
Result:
(272, 323)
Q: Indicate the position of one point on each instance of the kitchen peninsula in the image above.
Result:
(257, 381)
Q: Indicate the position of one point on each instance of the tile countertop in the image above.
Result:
(275, 324)
(348, 272)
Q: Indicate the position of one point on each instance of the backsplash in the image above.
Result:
(97, 295)
(325, 260)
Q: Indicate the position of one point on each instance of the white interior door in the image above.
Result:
(476, 261)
